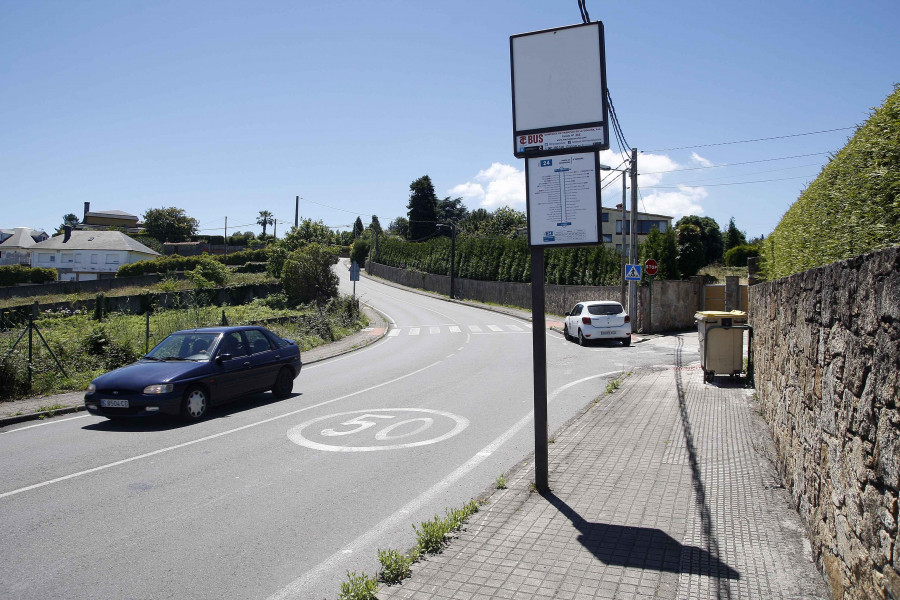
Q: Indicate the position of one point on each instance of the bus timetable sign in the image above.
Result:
(559, 91)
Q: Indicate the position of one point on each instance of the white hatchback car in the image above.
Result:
(598, 320)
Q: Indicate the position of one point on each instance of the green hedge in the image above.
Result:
(14, 274)
(851, 208)
(503, 259)
(171, 264)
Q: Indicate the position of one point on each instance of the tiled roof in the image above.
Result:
(95, 240)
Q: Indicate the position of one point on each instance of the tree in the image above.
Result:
(691, 253)
(710, 236)
(357, 228)
(400, 226)
(733, 236)
(307, 275)
(170, 224)
(375, 225)
(664, 248)
(737, 256)
(265, 219)
(451, 210)
(70, 220)
(308, 232)
(503, 222)
(422, 208)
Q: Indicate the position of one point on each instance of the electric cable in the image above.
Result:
(777, 137)
(675, 187)
(746, 162)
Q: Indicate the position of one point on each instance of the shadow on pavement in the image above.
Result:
(641, 547)
(168, 422)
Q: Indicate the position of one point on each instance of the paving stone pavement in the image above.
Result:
(662, 489)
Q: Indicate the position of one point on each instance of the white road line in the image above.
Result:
(495, 328)
(209, 437)
(454, 329)
(54, 422)
(296, 589)
(393, 333)
(474, 328)
(413, 331)
(434, 330)
(514, 327)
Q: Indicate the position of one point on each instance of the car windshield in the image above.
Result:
(185, 346)
(605, 309)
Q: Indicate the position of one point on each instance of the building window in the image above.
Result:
(627, 227)
(77, 259)
(605, 218)
(112, 259)
(645, 226)
(95, 258)
(607, 238)
(66, 257)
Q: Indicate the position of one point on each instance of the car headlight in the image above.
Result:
(91, 388)
(159, 388)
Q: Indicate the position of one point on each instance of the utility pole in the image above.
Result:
(274, 228)
(624, 187)
(632, 288)
(226, 236)
(297, 212)
(452, 260)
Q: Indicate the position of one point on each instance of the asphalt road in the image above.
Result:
(279, 499)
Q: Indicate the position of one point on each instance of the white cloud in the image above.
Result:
(676, 204)
(504, 185)
(703, 162)
(498, 185)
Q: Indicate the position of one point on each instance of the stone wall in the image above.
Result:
(674, 302)
(826, 353)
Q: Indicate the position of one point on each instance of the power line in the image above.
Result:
(747, 162)
(335, 208)
(675, 187)
(777, 137)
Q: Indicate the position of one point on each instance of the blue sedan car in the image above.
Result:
(191, 370)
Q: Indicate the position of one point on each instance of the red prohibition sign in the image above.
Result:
(651, 267)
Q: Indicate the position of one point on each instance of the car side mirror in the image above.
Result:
(567, 313)
(222, 358)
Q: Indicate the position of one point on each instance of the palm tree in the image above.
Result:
(265, 219)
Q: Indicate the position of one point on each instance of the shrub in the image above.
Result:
(395, 566)
(307, 275)
(359, 252)
(358, 587)
(14, 274)
(737, 256)
(13, 376)
(208, 273)
(98, 343)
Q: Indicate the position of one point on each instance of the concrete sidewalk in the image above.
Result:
(662, 489)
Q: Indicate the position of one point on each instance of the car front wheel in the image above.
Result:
(284, 383)
(566, 335)
(195, 403)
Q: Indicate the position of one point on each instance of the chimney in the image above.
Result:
(87, 209)
(67, 232)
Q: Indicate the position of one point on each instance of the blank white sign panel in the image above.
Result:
(557, 78)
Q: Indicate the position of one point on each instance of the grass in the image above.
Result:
(358, 587)
(500, 484)
(50, 409)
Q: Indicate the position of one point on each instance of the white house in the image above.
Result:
(86, 255)
(16, 245)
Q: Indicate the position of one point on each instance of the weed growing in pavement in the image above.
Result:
(358, 587)
(432, 537)
(500, 484)
(395, 566)
(50, 409)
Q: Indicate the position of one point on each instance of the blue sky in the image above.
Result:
(228, 108)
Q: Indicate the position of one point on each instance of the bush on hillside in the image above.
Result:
(737, 256)
(14, 274)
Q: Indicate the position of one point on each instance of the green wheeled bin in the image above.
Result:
(721, 336)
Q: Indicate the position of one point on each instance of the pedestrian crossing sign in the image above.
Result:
(632, 272)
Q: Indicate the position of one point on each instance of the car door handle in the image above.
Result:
(247, 364)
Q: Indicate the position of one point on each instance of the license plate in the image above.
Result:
(608, 332)
(114, 403)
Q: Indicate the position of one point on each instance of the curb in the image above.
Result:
(39, 415)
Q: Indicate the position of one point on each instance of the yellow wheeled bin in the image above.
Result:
(721, 342)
